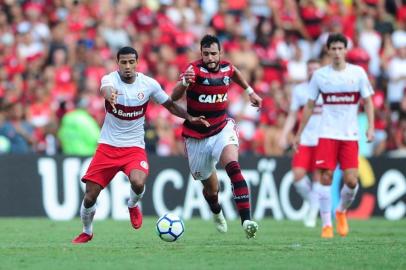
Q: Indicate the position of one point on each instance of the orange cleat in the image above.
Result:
(327, 232)
(342, 224)
(135, 217)
(82, 238)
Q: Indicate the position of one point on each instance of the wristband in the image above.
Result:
(184, 82)
(249, 90)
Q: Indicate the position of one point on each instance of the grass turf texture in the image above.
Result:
(44, 244)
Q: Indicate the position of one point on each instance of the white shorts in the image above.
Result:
(204, 154)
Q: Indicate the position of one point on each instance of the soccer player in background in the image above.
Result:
(206, 83)
(121, 143)
(303, 161)
(341, 85)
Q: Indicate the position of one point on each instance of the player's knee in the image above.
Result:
(298, 175)
(351, 180)
(137, 183)
(327, 177)
(90, 199)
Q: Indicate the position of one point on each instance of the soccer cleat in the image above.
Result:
(250, 227)
(342, 224)
(310, 220)
(220, 222)
(135, 217)
(82, 238)
(327, 232)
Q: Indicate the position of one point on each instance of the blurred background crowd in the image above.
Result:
(54, 53)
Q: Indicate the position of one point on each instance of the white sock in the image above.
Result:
(347, 196)
(303, 187)
(134, 198)
(86, 215)
(325, 204)
(314, 196)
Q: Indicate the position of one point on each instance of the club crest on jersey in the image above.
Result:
(226, 80)
(140, 96)
(217, 98)
(144, 164)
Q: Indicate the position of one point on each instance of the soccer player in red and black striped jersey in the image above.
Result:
(206, 83)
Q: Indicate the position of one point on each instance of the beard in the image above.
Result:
(210, 67)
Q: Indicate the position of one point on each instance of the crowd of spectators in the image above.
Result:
(54, 53)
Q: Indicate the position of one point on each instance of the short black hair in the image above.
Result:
(336, 37)
(207, 40)
(313, 61)
(127, 50)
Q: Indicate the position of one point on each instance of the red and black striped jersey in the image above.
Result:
(208, 97)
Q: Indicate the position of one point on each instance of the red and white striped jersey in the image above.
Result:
(341, 91)
(124, 126)
(300, 96)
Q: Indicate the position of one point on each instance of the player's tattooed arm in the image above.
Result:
(110, 94)
(256, 100)
(177, 110)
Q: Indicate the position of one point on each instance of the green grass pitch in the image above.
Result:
(44, 244)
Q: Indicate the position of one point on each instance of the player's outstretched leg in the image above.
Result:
(241, 198)
(86, 215)
(134, 210)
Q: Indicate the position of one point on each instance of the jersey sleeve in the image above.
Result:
(365, 86)
(106, 81)
(314, 89)
(158, 94)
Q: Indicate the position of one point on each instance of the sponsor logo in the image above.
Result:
(206, 82)
(319, 162)
(341, 98)
(128, 114)
(217, 98)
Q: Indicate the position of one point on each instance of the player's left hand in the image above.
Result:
(199, 121)
(256, 100)
(370, 135)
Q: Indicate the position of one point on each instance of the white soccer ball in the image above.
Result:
(170, 227)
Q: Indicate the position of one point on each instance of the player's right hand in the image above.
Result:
(200, 120)
(113, 98)
(189, 75)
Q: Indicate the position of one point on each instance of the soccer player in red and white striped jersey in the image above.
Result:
(206, 83)
(341, 86)
(303, 159)
(121, 143)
